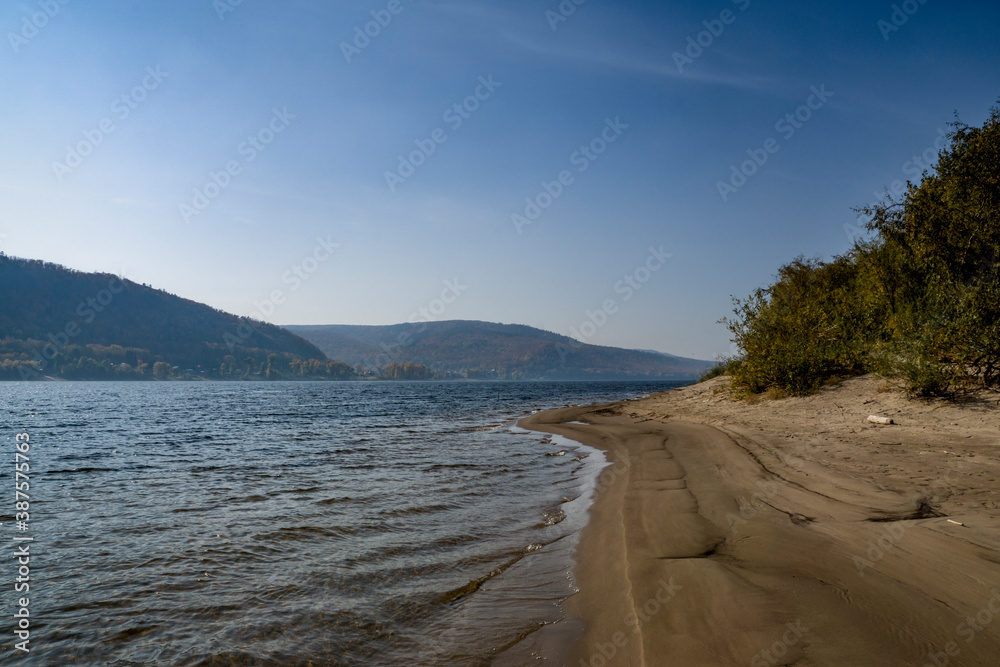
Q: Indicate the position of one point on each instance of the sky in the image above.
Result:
(614, 171)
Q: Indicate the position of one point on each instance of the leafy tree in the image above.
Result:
(161, 370)
(920, 301)
(406, 371)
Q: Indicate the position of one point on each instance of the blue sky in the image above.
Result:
(115, 113)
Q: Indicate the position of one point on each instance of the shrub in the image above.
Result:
(721, 368)
(800, 331)
(919, 302)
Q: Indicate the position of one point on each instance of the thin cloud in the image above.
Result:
(657, 68)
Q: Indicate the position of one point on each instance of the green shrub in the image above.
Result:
(721, 368)
(800, 331)
(919, 302)
(921, 374)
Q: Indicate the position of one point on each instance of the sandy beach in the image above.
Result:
(789, 531)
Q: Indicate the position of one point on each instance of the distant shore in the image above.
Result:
(366, 378)
(789, 531)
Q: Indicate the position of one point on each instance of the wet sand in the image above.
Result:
(790, 531)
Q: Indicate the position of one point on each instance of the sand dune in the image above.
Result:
(789, 532)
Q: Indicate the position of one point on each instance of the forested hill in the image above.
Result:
(56, 321)
(487, 350)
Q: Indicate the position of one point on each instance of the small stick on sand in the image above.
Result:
(957, 523)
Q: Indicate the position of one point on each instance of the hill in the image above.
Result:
(488, 350)
(55, 321)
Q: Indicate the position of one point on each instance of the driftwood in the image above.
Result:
(885, 421)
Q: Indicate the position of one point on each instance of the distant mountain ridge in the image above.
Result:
(60, 323)
(78, 325)
(487, 349)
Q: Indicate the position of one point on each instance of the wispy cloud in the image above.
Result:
(660, 68)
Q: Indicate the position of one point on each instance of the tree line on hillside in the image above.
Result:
(918, 301)
(37, 360)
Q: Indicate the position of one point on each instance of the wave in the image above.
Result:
(462, 591)
(446, 466)
(307, 533)
(416, 510)
(331, 501)
(552, 517)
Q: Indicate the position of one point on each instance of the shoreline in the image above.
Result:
(789, 531)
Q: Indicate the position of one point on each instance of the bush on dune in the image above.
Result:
(800, 331)
(919, 301)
